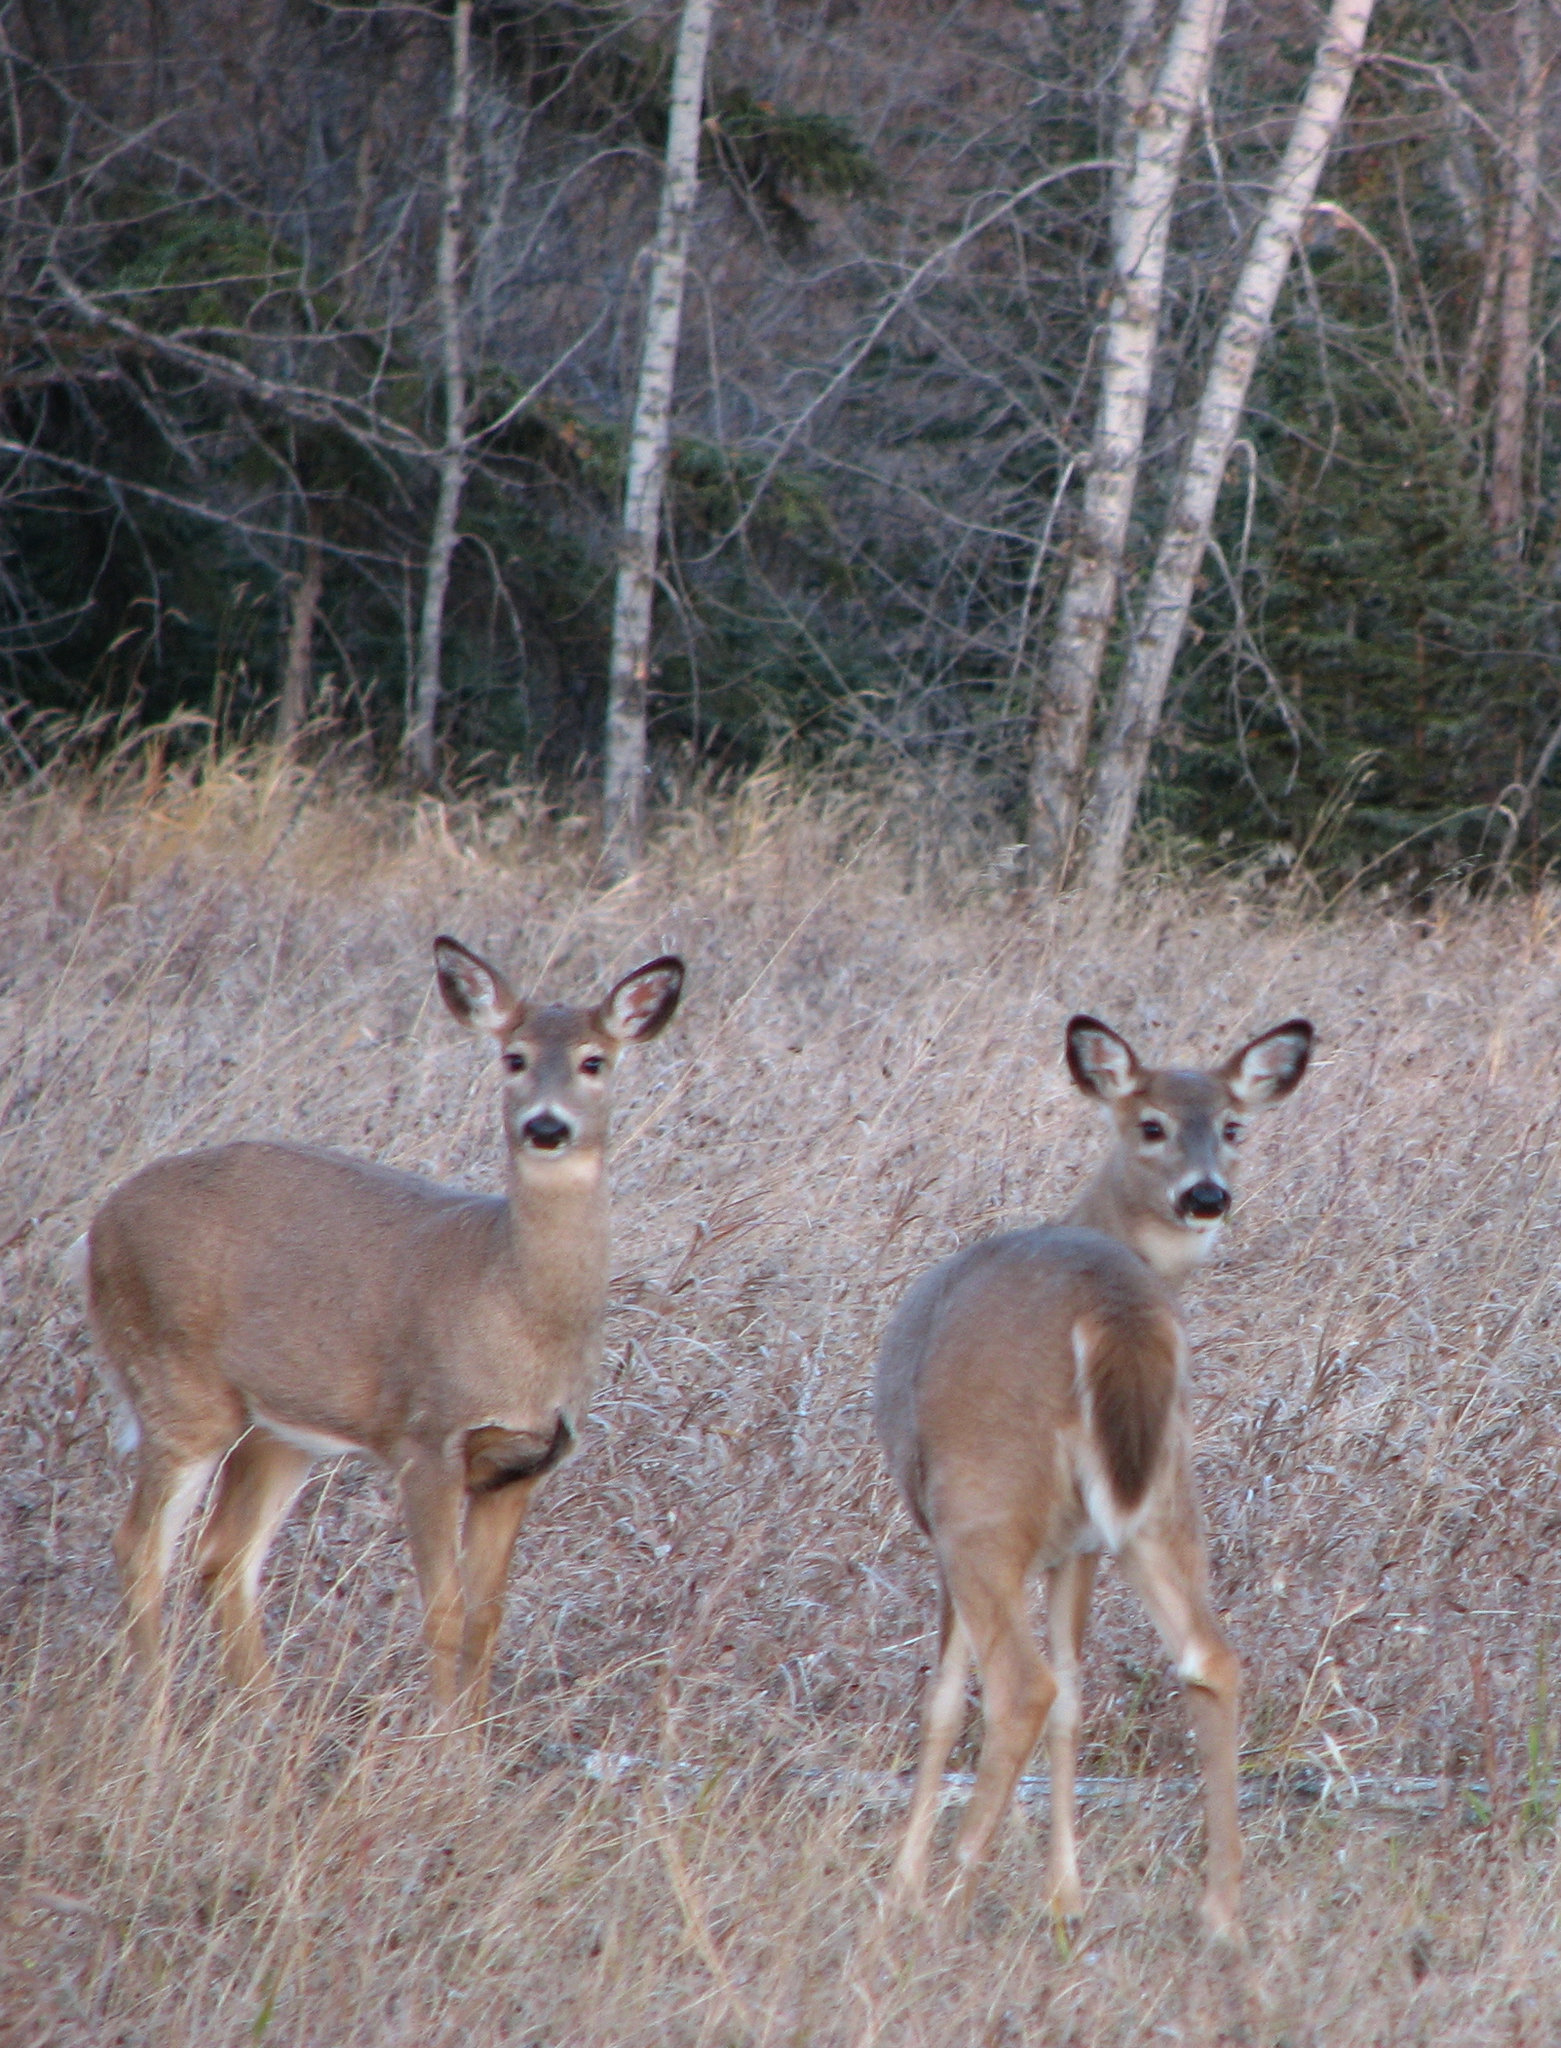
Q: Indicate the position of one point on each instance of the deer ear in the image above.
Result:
(475, 994)
(1266, 1069)
(642, 1003)
(1101, 1063)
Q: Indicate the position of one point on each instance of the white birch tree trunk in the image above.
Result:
(628, 675)
(1136, 712)
(1152, 137)
(454, 457)
(1514, 347)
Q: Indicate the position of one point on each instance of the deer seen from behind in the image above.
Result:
(257, 1306)
(1031, 1399)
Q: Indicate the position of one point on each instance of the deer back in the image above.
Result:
(319, 1289)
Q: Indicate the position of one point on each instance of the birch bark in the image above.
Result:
(1136, 712)
(1515, 338)
(454, 458)
(1152, 138)
(628, 676)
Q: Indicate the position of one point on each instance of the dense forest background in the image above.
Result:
(222, 401)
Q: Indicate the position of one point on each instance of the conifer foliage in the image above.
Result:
(225, 425)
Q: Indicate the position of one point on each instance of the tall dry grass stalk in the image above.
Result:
(866, 1073)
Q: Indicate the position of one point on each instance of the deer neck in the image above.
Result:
(557, 1249)
(1170, 1248)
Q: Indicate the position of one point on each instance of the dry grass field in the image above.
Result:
(680, 1823)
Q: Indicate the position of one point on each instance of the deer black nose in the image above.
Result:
(1203, 1199)
(546, 1131)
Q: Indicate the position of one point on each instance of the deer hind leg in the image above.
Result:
(258, 1483)
(1017, 1690)
(1069, 1591)
(493, 1521)
(169, 1484)
(1170, 1576)
(942, 1713)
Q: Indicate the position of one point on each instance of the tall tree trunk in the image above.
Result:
(1136, 713)
(1493, 266)
(1514, 347)
(628, 673)
(454, 458)
(298, 671)
(1152, 134)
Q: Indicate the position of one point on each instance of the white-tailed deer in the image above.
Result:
(1031, 1399)
(261, 1305)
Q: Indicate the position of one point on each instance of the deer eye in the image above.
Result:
(1150, 1129)
(593, 1063)
(515, 1063)
(1232, 1134)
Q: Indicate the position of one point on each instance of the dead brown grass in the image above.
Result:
(866, 1072)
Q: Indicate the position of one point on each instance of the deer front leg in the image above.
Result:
(433, 1496)
(493, 1522)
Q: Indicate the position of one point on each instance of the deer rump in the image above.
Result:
(1032, 1382)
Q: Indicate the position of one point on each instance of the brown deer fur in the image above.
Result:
(1031, 1399)
(260, 1305)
